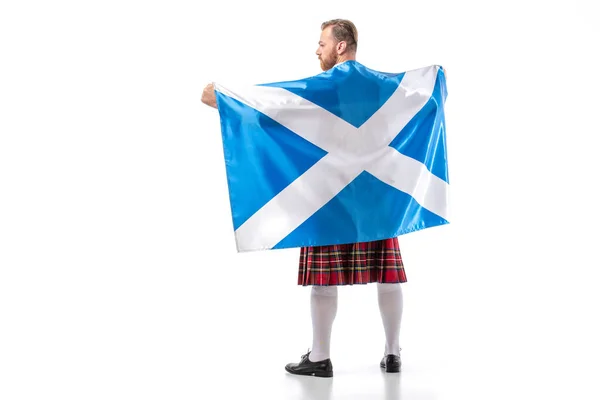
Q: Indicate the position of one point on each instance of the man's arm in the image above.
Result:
(208, 96)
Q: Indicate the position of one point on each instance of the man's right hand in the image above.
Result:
(208, 96)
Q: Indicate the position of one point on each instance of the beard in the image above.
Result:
(327, 62)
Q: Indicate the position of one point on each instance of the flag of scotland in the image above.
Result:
(348, 155)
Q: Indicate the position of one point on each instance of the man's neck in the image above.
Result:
(344, 58)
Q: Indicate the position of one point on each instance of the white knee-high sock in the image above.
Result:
(323, 307)
(390, 300)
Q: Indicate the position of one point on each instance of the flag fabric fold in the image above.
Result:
(348, 155)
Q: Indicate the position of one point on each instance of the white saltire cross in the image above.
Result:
(350, 151)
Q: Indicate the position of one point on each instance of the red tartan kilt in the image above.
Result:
(350, 264)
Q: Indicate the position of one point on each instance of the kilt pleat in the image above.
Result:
(350, 264)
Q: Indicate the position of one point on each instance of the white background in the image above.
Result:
(119, 277)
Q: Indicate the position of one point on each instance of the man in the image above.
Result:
(326, 267)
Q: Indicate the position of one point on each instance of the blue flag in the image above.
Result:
(348, 155)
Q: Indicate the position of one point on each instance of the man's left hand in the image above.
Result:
(208, 96)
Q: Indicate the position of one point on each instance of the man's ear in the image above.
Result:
(341, 47)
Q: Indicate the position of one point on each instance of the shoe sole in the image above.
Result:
(315, 374)
(391, 368)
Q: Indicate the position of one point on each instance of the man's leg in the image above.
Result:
(323, 309)
(390, 306)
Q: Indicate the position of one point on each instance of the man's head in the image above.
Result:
(338, 42)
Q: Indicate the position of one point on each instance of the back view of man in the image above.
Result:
(327, 267)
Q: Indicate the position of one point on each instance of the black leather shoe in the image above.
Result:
(391, 363)
(322, 369)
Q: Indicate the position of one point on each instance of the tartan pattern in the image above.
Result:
(350, 264)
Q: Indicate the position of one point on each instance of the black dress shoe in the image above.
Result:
(391, 363)
(322, 369)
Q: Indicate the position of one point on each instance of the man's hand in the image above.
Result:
(208, 96)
